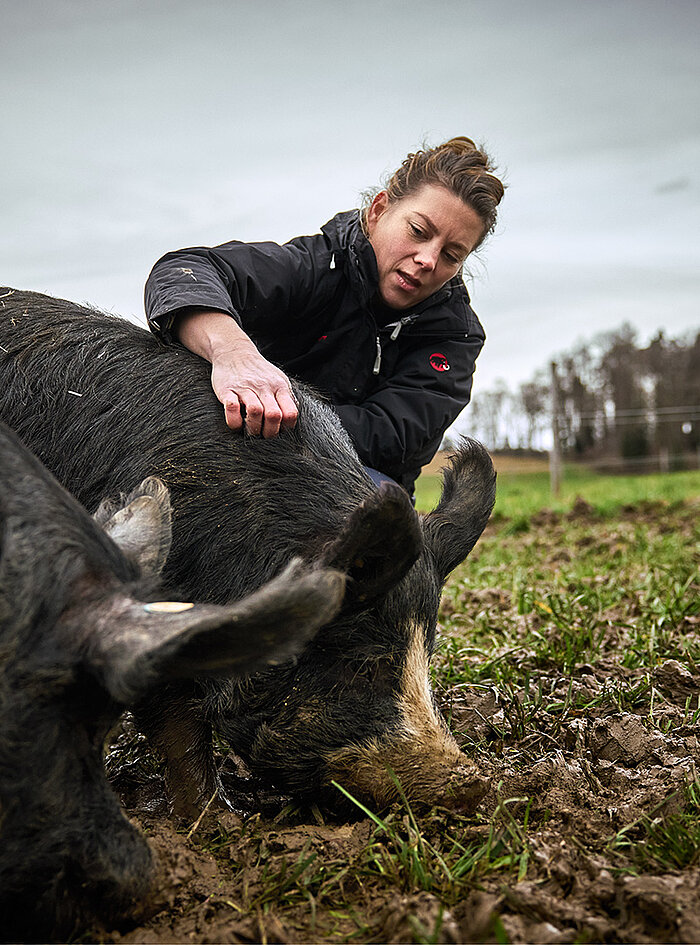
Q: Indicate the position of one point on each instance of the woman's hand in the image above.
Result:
(254, 392)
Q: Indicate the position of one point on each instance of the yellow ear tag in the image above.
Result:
(167, 607)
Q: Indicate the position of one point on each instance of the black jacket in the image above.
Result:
(396, 379)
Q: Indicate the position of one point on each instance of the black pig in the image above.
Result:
(104, 404)
(77, 644)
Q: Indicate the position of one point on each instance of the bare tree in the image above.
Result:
(533, 400)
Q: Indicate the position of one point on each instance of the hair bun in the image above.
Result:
(462, 146)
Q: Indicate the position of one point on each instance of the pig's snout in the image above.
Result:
(418, 752)
(378, 771)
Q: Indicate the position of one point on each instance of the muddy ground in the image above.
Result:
(589, 833)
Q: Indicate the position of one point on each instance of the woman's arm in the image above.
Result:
(253, 391)
(201, 296)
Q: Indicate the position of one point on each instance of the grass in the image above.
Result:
(521, 495)
(572, 588)
(666, 838)
(403, 857)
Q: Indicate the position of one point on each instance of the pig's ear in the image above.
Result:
(134, 646)
(140, 523)
(376, 546)
(468, 493)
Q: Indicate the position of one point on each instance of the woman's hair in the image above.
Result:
(459, 166)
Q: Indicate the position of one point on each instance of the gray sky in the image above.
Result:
(133, 127)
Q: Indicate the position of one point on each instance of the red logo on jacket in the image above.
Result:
(439, 362)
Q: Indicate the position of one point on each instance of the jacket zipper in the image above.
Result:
(392, 337)
(378, 357)
(445, 333)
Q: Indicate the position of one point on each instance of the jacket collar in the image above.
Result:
(348, 239)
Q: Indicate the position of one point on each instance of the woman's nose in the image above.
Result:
(426, 257)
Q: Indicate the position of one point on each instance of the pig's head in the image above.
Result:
(357, 708)
(82, 635)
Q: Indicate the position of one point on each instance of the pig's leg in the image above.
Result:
(174, 723)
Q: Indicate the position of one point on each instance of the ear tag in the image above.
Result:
(167, 607)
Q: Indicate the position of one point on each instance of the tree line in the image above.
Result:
(609, 399)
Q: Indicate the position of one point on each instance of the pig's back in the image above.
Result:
(104, 404)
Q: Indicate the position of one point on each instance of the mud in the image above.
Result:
(587, 768)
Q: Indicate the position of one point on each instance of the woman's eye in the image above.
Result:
(452, 260)
(416, 230)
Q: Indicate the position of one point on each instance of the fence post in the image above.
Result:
(555, 452)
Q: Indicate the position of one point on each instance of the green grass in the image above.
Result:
(520, 495)
(449, 863)
(406, 853)
(667, 838)
(575, 593)
(545, 594)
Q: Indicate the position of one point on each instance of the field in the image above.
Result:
(569, 668)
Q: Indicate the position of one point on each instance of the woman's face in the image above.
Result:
(420, 242)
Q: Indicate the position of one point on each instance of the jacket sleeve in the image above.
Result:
(248, 281)
(400, 426)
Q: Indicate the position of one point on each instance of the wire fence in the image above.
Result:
(659, 462)
(660, 458)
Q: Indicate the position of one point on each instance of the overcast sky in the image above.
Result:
(133, 127)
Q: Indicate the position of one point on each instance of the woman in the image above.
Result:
(372, 312)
